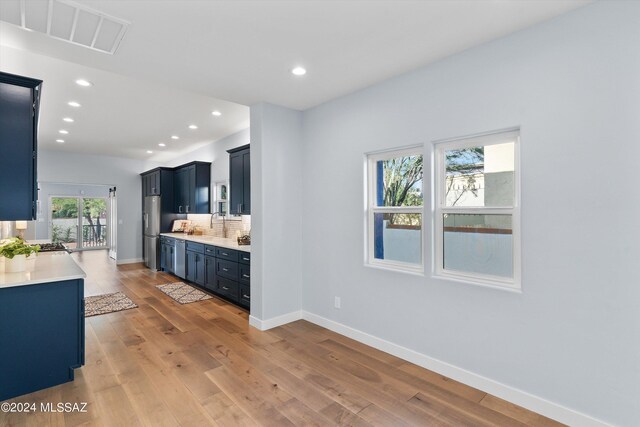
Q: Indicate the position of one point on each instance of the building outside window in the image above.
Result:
(395, 210)
(477, 213)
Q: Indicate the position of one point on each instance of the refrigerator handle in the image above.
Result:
(146, 221)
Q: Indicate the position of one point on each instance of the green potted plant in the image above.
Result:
(15, 252)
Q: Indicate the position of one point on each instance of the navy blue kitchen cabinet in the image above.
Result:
(42, 335)
(195, 263)
(167, 254)
(192, 183)
(19, 107)
(240, 180)
(210, 273)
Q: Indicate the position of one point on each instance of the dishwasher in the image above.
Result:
(178, 268)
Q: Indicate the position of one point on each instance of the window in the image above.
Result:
(477, 209)
(395, 209)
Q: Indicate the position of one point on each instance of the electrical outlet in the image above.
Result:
(336, 302)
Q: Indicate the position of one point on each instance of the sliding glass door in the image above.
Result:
(79, 222)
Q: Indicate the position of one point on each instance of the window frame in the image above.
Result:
(371, 209)
(440, 208)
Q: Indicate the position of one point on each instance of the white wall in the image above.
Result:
(66, 167)
(573, 86)
(276, 207)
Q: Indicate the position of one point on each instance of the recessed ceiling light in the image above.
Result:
(299, 71)
(68, 119)
(64, 132)
(216, 113)
(60, 141)
(82, 82)
(149, 152)
(74, 104)
(175, 137)
(162, 144)
(193, 127)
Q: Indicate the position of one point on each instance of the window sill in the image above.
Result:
(397, 269)
(512, 288)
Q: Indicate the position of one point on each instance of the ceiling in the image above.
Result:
(179, 59)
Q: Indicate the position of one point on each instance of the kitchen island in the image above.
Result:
(41, 324)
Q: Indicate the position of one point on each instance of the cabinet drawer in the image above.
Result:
(228, 288)
(244, 257)
(228, 254)
(167, 240)
(245, 274)
(245, 295)
(227, 269)
(195, 247)
(210, 250)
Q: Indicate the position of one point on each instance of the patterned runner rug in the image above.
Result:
(183, 293)
(107, 303)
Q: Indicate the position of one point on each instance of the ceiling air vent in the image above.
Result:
(68, 21)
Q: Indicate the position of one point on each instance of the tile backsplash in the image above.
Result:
(203, 222)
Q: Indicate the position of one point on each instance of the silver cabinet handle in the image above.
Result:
(246, 296)
(225, 288)
(179, 209)
(187, 209)
(224, 253)
(245, 275)
(225, 269)
(245, 258)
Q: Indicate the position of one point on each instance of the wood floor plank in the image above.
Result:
(514, 411)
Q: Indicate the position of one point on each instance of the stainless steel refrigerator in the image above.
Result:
(151, 230)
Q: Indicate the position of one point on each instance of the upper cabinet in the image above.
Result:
(240, 180)
(192, 188)
(19, 106)
(151, 183)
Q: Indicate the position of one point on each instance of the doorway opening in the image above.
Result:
(80, 223)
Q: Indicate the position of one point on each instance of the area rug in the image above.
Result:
(183, 293)
(107, 303)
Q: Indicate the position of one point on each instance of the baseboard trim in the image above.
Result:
(274, 322)
(503, 391)
(128, 261)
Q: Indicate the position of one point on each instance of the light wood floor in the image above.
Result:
(200, 364)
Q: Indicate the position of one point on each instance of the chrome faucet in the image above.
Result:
(224, 222)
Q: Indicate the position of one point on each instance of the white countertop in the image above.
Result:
(44, 268)
(210, 240)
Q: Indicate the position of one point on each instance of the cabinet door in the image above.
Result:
(154, 183)
(200, 269)
(171, 259)
(163, 257)
(210, 272)
(179, 191)
(190, 266)
(17, 145)
(246, 183)
(236, 183)
(190, 189)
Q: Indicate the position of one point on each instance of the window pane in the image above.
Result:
(480, 176)
(478, 244)
(398, 237)
(399, 181)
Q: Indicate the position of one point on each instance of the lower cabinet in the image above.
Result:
(194, 264)
(41, 336)
(225, 272)
(167, 254)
